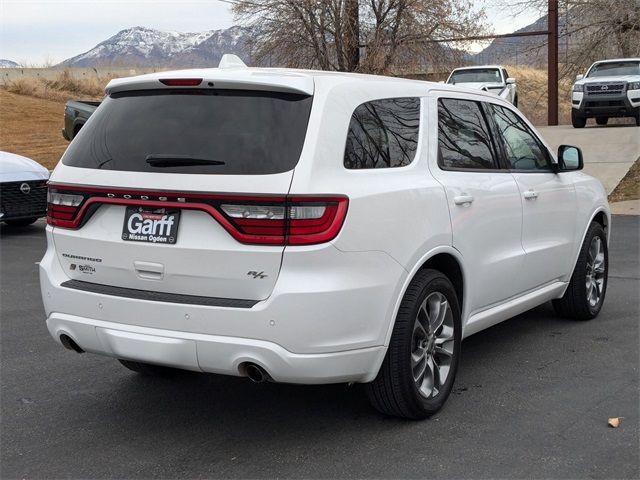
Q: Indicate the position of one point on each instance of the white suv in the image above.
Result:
(313, 227)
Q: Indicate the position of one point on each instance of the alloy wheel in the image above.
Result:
(432, 345)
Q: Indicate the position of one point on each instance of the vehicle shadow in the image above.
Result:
(14, 231)
(215, 404)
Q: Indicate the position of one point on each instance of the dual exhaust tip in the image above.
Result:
(70, 344)
(256, 373)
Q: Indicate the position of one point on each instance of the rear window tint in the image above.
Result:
(226, 131)
(383, 134)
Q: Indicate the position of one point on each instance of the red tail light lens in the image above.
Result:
(62, 208)
(255, 220)
(291, 221)
(181, 82)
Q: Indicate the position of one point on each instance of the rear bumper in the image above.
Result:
(213, 353)
(326, 320)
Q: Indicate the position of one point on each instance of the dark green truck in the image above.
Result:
(76, 113)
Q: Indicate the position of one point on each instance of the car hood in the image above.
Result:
(612, 78)
(14, 168)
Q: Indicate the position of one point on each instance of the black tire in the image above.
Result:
(577, 120)
(602, 120)
(575, 302)
(23, 222)
(638, 121)
(394, 391)
(148, 369)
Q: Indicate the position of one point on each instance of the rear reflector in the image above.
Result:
(255, 220)
(181, 82)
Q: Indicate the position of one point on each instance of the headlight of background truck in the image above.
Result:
(578, 87)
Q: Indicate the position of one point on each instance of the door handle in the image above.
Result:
(463, 200)
(530, 194)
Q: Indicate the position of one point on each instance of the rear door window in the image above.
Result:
(464, 138)
(194, 131)
(383, 134)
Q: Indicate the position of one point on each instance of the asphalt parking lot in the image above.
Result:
(531, 400)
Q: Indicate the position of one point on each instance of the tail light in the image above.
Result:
(62, 208)
(255, 220)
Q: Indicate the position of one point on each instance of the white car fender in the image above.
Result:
(409, 278)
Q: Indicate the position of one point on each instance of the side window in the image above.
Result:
(523, 150)
(464, 140)
(383, 134)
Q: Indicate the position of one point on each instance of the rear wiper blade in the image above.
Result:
(158, 160)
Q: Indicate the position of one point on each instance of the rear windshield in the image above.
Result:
(194, 131)
(477, 75)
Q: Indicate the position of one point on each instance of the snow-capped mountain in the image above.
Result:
(140, 46)
(8, 63)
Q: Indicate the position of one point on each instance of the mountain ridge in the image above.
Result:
(146, 47)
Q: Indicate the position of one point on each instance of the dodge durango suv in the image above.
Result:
(313, 227)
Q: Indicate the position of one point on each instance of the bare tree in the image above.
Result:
(595, 29)
(373, 36)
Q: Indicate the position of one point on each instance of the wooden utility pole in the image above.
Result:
(352, 35)
(552, 63)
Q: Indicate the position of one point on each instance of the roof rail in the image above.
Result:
(229, 60)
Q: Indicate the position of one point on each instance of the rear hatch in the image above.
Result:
(180, 190)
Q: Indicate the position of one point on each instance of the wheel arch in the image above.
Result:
(76, 127)
(449, 262)
(600, 215)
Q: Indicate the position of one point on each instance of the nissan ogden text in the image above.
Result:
(313, 227)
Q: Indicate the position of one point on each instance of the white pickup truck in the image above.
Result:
(610, 88)
(490, 78)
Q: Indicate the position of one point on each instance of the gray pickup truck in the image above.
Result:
(76, 113)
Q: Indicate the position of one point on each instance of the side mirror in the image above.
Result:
(569, 158)
(511, 81)
(579, 77)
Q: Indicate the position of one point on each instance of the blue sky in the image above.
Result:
(35, 32)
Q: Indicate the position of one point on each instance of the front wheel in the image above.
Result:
(638, 121)
(577, 120)
(418, 372)
(585, 294)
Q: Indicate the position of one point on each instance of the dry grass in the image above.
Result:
(64, 87)
(629, 186)
(532, 95)
(31, 127)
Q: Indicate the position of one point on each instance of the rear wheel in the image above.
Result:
(602, 120)
(149, 369)
(23, 222)
(638, 121)
(418, 372)
(577, 120)
(585, 294)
